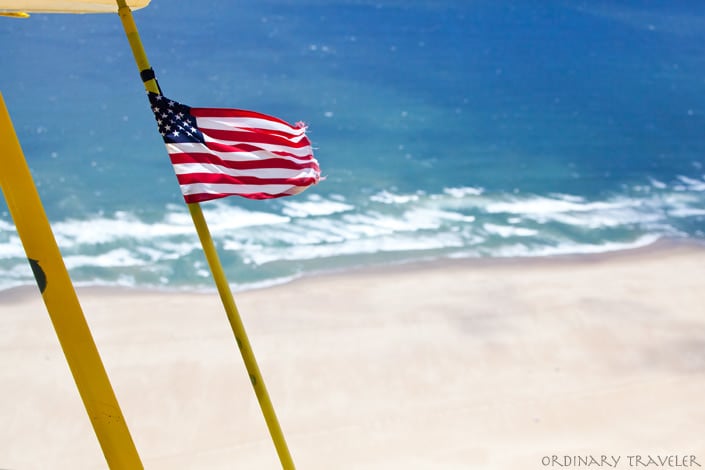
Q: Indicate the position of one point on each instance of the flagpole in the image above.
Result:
(216, 268)
(243, 342)
(62, 302)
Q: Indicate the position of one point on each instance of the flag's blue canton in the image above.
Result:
(176, 124)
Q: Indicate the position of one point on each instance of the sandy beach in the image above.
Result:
(454, 365)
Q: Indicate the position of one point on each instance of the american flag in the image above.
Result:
(220, 152)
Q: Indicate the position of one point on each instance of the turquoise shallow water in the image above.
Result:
(445, 129)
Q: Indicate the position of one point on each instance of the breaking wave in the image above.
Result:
(312, 233)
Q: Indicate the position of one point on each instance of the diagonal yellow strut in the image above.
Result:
(216, 268)
(62, 303)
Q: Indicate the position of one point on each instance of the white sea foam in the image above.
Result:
(6, 226)
(541, 205)
(505, 231)
(520, 250)
(16, 271)
(119, 257)
(615, 216)
(657, 184)
(463, 191)
(618, 211)
(135, 248)
(691, 184)
(223, 217)
(245, 286)
(173, 250)
(386, 197)
(314, 206)
(12, 248)
(104, 230)
(686, 212)
(397, 243)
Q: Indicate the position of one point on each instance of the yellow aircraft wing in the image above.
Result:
(18, 7)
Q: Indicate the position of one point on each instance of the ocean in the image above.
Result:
(445, 129)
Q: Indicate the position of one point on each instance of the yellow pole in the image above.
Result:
(61, 302)
(243, 342)
(216, 268)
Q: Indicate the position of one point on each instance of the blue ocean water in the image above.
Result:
(445, 129)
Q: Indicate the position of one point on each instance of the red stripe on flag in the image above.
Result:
(202, 197)
(219, 178)
(235, 113)
(208, 158)
(243, 147)
(254, 137)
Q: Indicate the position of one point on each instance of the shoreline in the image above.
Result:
(658, 248)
